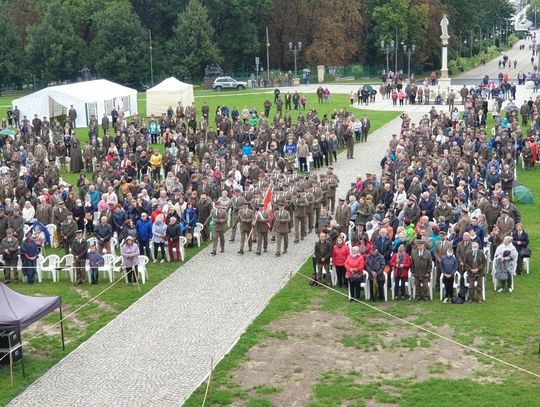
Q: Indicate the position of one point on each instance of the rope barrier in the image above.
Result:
(487, 355)
(208, 383)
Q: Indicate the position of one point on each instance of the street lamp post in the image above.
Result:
(295, 49)
(387, 48)
(409, 51)
(151, 59)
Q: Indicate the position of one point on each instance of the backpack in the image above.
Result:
(313, 280)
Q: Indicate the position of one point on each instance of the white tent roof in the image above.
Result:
(90, 97)
(168, 93)
(170, 85)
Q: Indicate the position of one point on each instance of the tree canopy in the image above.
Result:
(51, 40)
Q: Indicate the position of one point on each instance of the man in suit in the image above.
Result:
(69, 229)
(59, 215)
(505, 223)
(80, 253)
(366, 125)
(262, 218)
(44, 212)
(237, 202)
(245, 216)
(300, 216)
(343, 215)
(72, 116)
(9, 247)
(475, 264)
(323, 252)
(219, 216)
(281, 228)
(421, 265)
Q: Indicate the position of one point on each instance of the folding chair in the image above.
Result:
(49, 265)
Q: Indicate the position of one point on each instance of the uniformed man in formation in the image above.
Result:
(219, 217)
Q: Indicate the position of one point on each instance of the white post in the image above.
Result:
(444, 57)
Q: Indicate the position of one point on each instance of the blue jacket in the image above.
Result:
(118, 219)
(449, 264)
(144, 230)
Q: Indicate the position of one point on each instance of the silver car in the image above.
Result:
(226, 82)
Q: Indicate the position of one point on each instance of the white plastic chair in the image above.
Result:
(143, 261)
(466, 284)
(66, 265)
(412, 286)
(351, 227)
(365, 286)
(92, 241)
(182, 245)
(26, 228)
(114, 245)
(108, 264)
(49, 265)
(393, 284)
(456, 285)
(526, 264)
(51, 228)
(197, 230)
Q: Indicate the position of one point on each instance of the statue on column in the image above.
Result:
(444, 26)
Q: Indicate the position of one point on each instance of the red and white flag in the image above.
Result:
(267, 206)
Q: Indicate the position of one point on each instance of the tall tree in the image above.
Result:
(11, 62)
(192, 46)
(54, 48)
(237, 25)
(119, 50)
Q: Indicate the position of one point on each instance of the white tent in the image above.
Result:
(88, 98)
(168, 93)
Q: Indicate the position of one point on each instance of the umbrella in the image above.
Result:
(523, 195)
(368, 87)
(7, 132)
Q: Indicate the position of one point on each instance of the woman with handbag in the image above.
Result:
(504, 263)
(520, 239)
(354, 266)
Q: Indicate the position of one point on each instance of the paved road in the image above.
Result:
(491, 68)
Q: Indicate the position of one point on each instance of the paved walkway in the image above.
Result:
(158, 351)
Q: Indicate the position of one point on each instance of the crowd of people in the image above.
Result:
(442, 207)
(444, 192)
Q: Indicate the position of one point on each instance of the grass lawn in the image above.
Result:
(45, 351)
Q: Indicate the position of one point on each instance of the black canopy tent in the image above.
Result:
(19, 311)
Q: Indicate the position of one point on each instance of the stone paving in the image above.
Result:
(158, 351)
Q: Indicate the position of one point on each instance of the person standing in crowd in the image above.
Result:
(95, 260)
(103, 232)
(173, 239)
(29, 255)
(421, 265)
(80, 254)
(130, 259)
(159, 234)
(354, 266)
(374, 265)
(401, 263)
(281, 228)
(9, 247)
(475, 264)
(323, 253)
(340, 253)
(219, 218)
(448, 266)
(504, 262)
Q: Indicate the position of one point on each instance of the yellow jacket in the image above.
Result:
(156, 160)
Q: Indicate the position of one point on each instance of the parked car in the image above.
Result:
(226, 82)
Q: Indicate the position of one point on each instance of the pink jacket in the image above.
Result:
(130, 255)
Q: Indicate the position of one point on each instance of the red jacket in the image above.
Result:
(340, 254)
(405, 267)
(354, 265)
